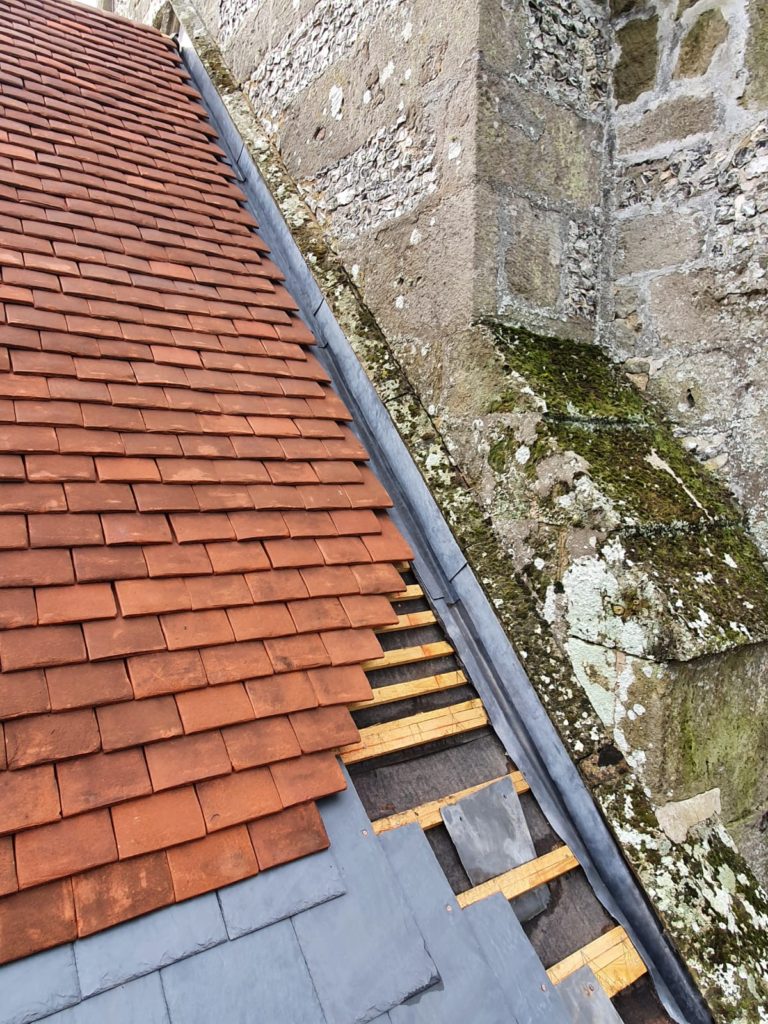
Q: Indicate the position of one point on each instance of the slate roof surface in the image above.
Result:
(192, 551)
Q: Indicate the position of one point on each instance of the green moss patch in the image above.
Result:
(575, 379)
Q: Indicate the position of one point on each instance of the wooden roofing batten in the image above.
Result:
(192, 551)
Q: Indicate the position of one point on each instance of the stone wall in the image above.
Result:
(686, 302)
(543, 87)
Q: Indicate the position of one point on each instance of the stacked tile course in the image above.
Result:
(192, 552)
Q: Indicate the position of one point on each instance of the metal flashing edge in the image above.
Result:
(513, 706)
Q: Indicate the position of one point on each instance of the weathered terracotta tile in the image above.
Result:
(36, 919)
(50, 737)
(166, 672)
(23, 693)
(307, 777)
(318, 613)
(380, 578)
(28, 798)
(234, 662)
(196, 629)
(348, 646)
(368, 610)
(324, 728)
(94, 563)
(157, 822)
(120, 891)
(261, 742)
(211, 862)
(186, 759)
(213, 707)
(240, 796)
(276, 694)
(133, 722)
(75, 604)
(117, 637)
(292, 833)
(295, 652)
(8, 882)
(341, 684)
(73, 530)
(79, 686)
(101, 780)
(64, 848)
(177, 560)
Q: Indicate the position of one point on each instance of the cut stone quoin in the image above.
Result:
(190, 542)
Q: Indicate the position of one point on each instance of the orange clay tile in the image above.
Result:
(215, 860)
(192, 551)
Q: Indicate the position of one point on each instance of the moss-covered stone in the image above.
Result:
(577, 380)
(715, 580)
(716, 912)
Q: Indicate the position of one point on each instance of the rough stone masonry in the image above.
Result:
(542, 225)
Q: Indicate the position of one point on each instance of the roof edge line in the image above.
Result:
(500, 678)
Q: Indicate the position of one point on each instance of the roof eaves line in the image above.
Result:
(470, 622)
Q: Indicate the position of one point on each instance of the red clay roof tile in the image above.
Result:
(187, 529)
(237, 798)
(218, 859)
(294, 832)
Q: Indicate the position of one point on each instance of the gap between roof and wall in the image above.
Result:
(514, 709)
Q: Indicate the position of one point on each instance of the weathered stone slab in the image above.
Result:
(672, 120)
(698, 47)
(636, 68)
(491, 836)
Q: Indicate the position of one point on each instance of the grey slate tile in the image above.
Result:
(490, 833)
(364, 950)
(139, 1002)
(259, 979)
(280, 893)
(586, 999)
(513, 960)
(38, 985)
(137, 947)
(468, 990)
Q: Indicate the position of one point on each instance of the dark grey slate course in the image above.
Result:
(137, 947)
(38, 985)
(279, 893)
(139, 1002)
(491, 836)
(468, 990)
(586, 999)
(514, 962)
(364, 950)
(259, 979)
